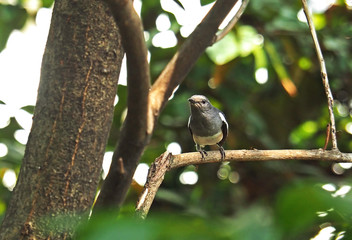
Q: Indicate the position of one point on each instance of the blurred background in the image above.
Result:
(264, 75)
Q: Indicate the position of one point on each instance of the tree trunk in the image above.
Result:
(63, 158)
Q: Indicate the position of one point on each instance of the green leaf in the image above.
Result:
(29, 109)
(47, 3)
(299, 205)
(11, 18)
(225, 50)
(205, 2)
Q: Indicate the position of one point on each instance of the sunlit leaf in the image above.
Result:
(225, 50)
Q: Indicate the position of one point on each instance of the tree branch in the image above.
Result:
(167, 161)
(233, 21)
(134, 133)
(183, 61)
(323, 71)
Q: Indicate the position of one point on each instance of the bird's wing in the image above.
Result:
(189, 125)
(224, 128)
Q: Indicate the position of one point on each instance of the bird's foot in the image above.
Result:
(203, 153)
(222, 152)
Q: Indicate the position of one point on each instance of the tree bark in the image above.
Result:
(63, 158)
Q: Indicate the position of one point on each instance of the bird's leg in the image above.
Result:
(201, 151)
(222, 152)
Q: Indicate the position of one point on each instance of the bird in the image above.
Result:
(207, 125)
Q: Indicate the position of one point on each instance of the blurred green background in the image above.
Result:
(264, 75)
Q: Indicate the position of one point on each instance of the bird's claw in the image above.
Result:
(222, 152)
(203, 153)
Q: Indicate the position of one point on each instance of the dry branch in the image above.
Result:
(167, 161)
(323, 71)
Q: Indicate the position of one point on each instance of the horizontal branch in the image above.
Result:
(167, 161)
(261, 155)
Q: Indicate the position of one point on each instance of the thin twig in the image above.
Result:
(324, 74)
(233, 22)
(167, 161)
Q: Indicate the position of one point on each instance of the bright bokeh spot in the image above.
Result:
(348, 127)
(106, 163)
(190, 16)
(3, 150)
(165, 39)
(325, 233)
(21, 136)
(329, 187)
(342, 191)
(231, 14)
(137, 4)
(348, 4)
(162, 22)
(116, 100)
(9, 179)
(301, 16)
(189, 178)
(141, 173)
(24, 118)
(322, 214)
(261, 75)
(174, 148)
(342, 109)
(24, 50)
(320, 6)
(345, 165)
(317, 7)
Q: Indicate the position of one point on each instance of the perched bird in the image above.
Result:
(207, 124)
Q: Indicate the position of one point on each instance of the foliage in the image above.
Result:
(273, 200)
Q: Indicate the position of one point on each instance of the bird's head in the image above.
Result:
(200, 103)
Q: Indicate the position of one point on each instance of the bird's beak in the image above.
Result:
(191, 100)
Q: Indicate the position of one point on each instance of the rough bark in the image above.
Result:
(63, 158)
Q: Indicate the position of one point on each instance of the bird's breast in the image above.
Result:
(208, 140)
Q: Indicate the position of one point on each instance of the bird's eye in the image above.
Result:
(203, 101)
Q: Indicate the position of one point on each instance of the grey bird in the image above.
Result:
(207, 125)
